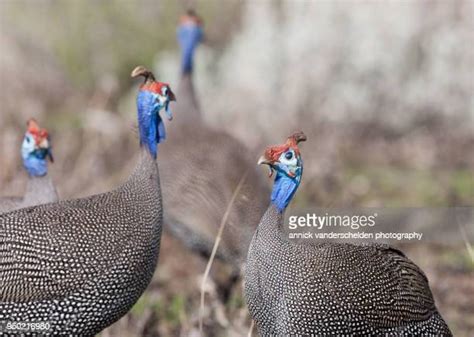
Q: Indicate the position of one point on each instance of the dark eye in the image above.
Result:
(288, 155)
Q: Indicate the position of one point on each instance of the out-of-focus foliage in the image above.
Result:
(398, 65)
(93, 39)
(68, 63)
(373, 84)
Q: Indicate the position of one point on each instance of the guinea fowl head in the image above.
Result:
(190, 34)
(152, 97)
(35, 149)
(286, 161)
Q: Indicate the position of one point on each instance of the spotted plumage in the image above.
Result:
(332, 289)
(81, 264)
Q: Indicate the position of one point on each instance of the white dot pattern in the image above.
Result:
(81, 264)
(335, 288)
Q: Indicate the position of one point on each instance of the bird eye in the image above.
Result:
(289, 155)
(164, 90)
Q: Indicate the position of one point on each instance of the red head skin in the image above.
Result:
(273, 153)
(190, 18)
(39, 134)
(156, 87)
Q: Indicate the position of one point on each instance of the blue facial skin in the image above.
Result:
(285, 186)
(34, 160)
(189, 36)
(150, 124)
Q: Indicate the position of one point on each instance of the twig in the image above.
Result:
(214, 248)
(251, 329)
(470, 251)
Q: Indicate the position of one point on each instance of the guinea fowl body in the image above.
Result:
(200, 172)
(201, 169)
(335, 288)
(81, 264)
(329, 289)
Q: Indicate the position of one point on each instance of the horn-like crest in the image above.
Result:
(32, 124)
(142, 71)
(297, 137)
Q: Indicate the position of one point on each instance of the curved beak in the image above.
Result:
(264, 161)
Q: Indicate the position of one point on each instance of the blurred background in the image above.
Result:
(384, 91)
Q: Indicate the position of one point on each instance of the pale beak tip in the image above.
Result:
(262, 160)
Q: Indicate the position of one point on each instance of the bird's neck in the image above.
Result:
(36, 167)
(146, 170)
(189, 37)
(142, 190)
(284, 188)
(270, 228)
(148, 122)
(39, 190)
(187, 58)
(187, 107)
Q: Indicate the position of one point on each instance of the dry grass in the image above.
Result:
(216, 245)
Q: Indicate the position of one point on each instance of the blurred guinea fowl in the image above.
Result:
(35, 151)
(81, 264)
(201, 168)
(190, 34)
(329, 288)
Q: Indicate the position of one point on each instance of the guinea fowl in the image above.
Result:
(190, 34)
(329, 288)
(80, 265)
(201, 168)
(35, 150)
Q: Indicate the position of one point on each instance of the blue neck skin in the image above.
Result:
(150, 124)
(285, 186)
(34, 160)
(36, 167)
(189, 36)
